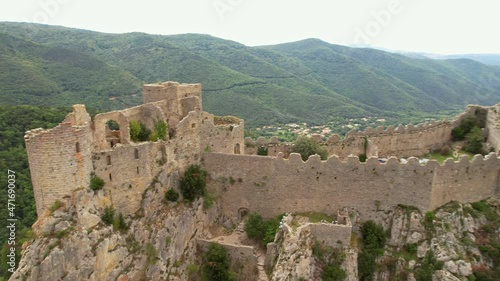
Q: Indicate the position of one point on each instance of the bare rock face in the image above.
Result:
(74, 244)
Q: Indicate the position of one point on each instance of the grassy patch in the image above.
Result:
(316, 217)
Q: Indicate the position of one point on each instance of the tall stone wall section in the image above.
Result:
(60, 158)
(466, 181)
(129, 169)
(329, 234)
(272, 186)
(493, 126)
(222, 138)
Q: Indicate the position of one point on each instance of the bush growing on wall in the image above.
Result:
(96, 183)
(160, 132)
(474, 141)
(138, 131)
(262, 151)
(306, 147)
(193, 183)
(465, 127)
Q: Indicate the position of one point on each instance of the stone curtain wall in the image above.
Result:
(466, 181)
(272, 186)
(493, 125)
(403, 141)
(60, 158)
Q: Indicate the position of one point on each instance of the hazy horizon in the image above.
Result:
(423, 26)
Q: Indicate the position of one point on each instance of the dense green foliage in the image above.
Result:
(262, 151)
(14, 122)
(374, 238)
(119, 223)
(139, 131)
(108, 216)
(193, 183)
(427, 267)
(216, 264)
(330, 261)
(160, 131)
(474, 141)
(307, 146)
(172, 195)
(307, 81)
(96, 183)
(464, 128)
(262, 230)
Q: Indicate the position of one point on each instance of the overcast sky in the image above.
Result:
(433, 26)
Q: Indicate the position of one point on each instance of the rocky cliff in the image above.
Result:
(161, 242)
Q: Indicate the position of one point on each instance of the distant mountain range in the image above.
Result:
(308, 81)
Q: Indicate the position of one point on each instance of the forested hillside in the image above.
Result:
(14, 121)
(309, 81)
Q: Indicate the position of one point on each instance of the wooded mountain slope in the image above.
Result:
(308, 81)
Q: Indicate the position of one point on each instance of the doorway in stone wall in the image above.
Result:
(242, 213)
(237, 149)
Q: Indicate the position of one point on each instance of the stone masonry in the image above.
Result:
(64, 158)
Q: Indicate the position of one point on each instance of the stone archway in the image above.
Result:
(242, 213)
(237, 149)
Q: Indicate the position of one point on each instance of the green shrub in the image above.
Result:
(108, 215)
(306, 147)
(474, 141)
(208, 200)
(460, 132)
(139, 131)
(172, 195)
(411, 248)
(366, 266)
(216, 263)
(330, 260)
(254, 226)
(374, 236)
(333, 272)
(261, 230)
(426, 269)
(262, 151)
(457, 134)
(374, 239)
(362, 157)
(193, 183)
(119, 223)
(96, 183)
(57, 204)
(160, 132)
(151, 253)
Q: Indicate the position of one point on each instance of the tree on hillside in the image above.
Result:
(306, 147)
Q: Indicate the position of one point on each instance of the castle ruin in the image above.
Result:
(64, 158)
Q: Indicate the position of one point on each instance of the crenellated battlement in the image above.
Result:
(273, 185)
(65, 158)
(401, 141)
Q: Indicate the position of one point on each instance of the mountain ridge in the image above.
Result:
(308, 81)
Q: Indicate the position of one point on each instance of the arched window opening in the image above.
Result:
(113, 133)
